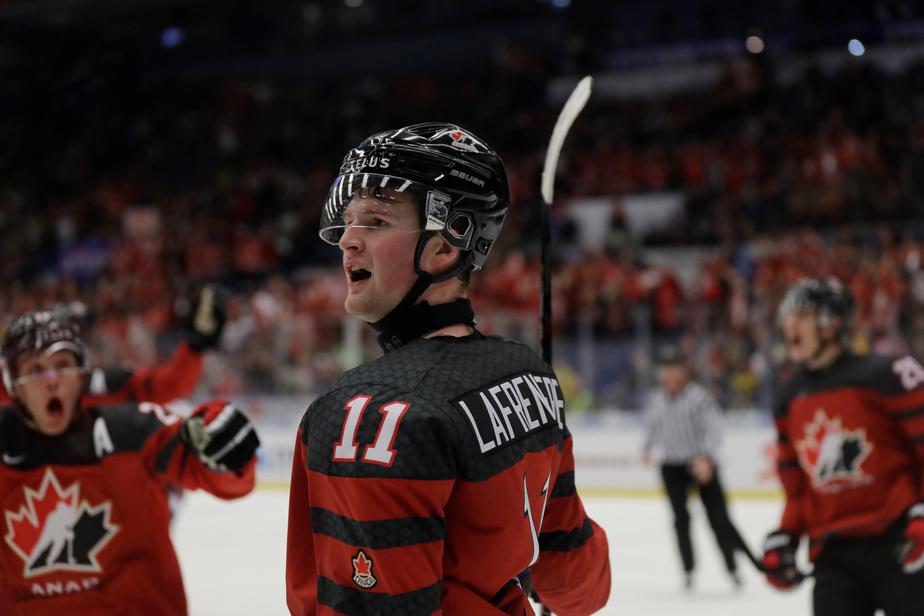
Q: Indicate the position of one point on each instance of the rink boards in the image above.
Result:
(607, 451)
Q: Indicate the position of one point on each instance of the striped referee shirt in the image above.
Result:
(684, 426)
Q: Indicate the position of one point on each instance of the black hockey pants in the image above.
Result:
(854, 577)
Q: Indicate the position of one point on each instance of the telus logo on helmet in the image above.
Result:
(366, 162)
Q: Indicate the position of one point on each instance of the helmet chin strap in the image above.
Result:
(410, 320)
(20, 408)
(823, 345)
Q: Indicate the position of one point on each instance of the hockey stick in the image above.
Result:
(566, 117)
(746, 550)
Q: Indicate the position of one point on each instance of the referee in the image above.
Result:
(685, 424)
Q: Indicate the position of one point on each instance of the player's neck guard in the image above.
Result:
(401, 326)
(409, 320)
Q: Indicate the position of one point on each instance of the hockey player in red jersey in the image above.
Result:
(171, 380)
(83, 489)
(851, 461)
(427, 481)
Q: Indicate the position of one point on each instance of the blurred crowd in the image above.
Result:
(129, 193)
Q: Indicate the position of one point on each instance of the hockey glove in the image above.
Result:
(779, 561)
(206, 319)
(911, 550)
(220, 435)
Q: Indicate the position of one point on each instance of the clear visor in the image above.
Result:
(52, 373)
(371, 201)
(56, 371)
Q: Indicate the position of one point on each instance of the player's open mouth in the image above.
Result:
(55, 407)
(358, 274)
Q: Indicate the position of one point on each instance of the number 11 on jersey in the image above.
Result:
(380, 451)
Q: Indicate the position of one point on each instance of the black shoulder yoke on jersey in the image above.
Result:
(874, 372)
(475, 406)
(126, 429)
(110, 379)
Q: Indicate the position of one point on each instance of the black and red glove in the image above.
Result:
(911, 551)
(779, 561)
(205, 319)
(220, 435)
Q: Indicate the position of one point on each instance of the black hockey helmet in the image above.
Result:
(828, 297)
(459, 183)
(41, 330)
(77, 312)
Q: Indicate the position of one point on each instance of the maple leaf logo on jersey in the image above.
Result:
(362, 571)
(56, 531)
(831, 454)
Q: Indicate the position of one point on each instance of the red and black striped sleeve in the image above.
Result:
(572, 575)
(171, 380)
(301, 573)
(790, 473)
(153, 431)
(903, 398)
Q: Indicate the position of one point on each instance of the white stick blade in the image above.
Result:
(569, 113)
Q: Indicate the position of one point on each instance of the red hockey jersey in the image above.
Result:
(174, 379)
(851, 446)
(425, 482)
(85, 514)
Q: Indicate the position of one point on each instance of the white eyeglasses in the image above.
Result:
(46, 375)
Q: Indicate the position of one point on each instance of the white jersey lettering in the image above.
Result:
(101, 439)
(489, 409)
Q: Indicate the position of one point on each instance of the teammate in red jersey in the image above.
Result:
(427, 481)
(83, 489)
(851, 461)
(171, 380)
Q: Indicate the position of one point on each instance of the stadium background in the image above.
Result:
(728, 149)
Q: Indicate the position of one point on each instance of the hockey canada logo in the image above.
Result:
(832, 455)
(57, 531)
(362, 571)
(463, 141)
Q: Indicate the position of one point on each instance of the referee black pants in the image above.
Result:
(854, 577)
(677, 480)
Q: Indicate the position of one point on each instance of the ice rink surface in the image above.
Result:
(233, 558)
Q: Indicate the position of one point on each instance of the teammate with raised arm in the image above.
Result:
(427, 481)
(165, 382)
(851, 461)
(83, 489)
